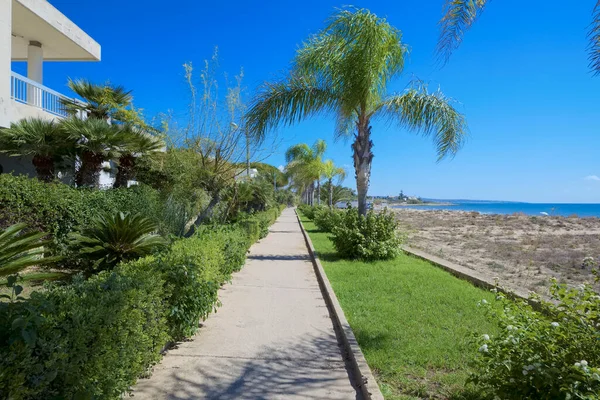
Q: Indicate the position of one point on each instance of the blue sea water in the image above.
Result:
(502, 207)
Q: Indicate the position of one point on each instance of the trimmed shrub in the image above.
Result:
(192, 272)
(234, 243)
(90, 339)
(326, 218)
(309, 211)
(555, 355)
(374, 237)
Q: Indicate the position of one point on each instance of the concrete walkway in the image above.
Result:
(271, 339)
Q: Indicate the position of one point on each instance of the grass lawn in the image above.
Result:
(411, 319)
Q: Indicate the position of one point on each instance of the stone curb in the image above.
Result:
(469, 275)
(360, 369)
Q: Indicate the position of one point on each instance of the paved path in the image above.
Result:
(271, 339)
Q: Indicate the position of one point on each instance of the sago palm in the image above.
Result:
(40, 139)
(135, 143)
(344, 70)
(111, 239)
(459, 16)
(305, 164)
(19, 250)
(330, 172)
(96, 142)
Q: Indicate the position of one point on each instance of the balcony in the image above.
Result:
(26, 91)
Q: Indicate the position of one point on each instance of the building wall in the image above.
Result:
(5, 60)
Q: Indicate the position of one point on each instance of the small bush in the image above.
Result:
(374, 237)
(555, 355)
(192, 272)
(326, 218)
(234, 245)
(91, 339)
(309, 211)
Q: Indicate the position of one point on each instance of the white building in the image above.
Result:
(36, 32)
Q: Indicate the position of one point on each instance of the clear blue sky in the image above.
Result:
(521, 77)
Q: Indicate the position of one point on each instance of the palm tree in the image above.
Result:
(135, 143)
(96, 142)
(331, 172)
(41, 139)
(306, 165)
(344, 70)
(460, 15)
(101, 101)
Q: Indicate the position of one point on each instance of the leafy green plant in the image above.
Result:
(374, 237)
(116, 237)
(327, 218)
(91, 339)
(550, 355)
(192, 270)
(309, 211)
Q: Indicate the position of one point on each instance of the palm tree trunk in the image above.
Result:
(44, 167)
(89, 171)
(318, 192)
(363, 158)
(125, 170)
(330, 193)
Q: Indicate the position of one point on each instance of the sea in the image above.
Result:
(507, 207)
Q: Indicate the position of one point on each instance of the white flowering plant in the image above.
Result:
(549, 354)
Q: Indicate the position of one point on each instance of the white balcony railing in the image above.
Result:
(26, 91)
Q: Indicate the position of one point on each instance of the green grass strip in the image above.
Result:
(411, 319)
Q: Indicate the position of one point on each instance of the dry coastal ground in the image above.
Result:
(524, 252)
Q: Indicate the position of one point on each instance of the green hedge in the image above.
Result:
(59, 209)
(93, 338)
(90, 339)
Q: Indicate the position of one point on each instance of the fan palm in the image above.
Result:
(96, 142)
(40, 139)
(305, 165)
(114, 238)
(344, 70)
(20, 250)
(101, 101)
(460, 15)
(136, 142)
(330, 172)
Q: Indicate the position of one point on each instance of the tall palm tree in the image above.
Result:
(460, 15)
(135, 143)
(305, 164)
(100, 101)
(96, 142)
(330, 172)
(41, 139)
(344, 70)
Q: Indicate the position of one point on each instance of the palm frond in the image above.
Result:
(288, 102)
(594, 37)
(19, 249)
(431, 114)
(459, 16)
(34, 136)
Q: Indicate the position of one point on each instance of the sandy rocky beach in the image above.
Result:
(522, 251)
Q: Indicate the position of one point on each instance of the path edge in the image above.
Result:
(360, 369)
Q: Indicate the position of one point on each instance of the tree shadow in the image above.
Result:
(306, 368)
(329, 256)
